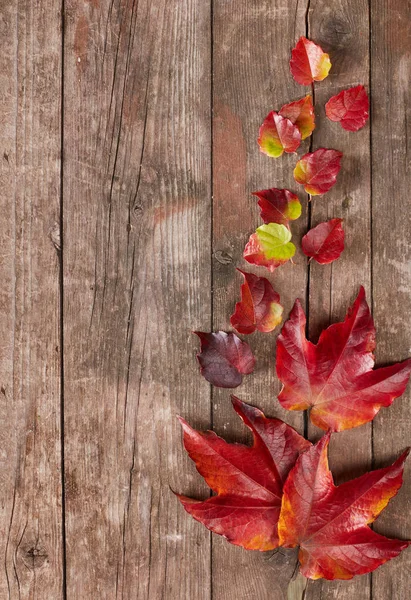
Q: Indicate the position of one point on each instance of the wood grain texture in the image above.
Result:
(341, 27)
(31, 554)
(251, 49)
(137, 280)
(391, 226)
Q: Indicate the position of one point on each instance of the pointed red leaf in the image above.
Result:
(330, 523)
(301, 113)
(309, 62)
(317, 171)
(335, 378)
(349, 107)
(278, 135)
(259, 308)
(248, 480)
(278, 206)
(325, 242)
(224, 358)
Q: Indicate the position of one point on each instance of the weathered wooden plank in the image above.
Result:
(341, 27)
(31, 549)
(136, 282)
(391, 223)
(251, 48)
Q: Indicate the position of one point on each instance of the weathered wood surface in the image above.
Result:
(162, 100)
(31, 541)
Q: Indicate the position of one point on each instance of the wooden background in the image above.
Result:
(128, 154)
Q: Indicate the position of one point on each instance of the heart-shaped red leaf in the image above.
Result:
(301, 113)
(309, 62)
(259, 308)
(278, 135)
(278, 206)
(317, 171)
(248, 480)
(349, 107)
(335, 378)
(224, 358)
(325, 242)
(330, 523)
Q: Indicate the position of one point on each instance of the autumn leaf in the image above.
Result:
(270, 246)
(335, 378)
(325, 242)
(224, 358)
(278, 206)
(330, 523)
(259, 308)
(301, 113)
(309, 62)
(317, 171)
(349, 107)
(248, 481)
(278, 135)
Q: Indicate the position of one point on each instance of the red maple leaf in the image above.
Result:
(224, 358)
(248, 480)
(335, 378)
(259, 308)
(325, 242)
(317, 171)
(330, 523)
(309, 62)
(349, 107)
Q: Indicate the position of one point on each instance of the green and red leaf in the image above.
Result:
(248, 481)
(259, 308)
(270, 246)
(301, 113)
(317, 171)
(277, 135)
(330, 524)
(349, 107)
(325, 242)
(335, 378)
(278, 206)
(309, 62)
(224, 358)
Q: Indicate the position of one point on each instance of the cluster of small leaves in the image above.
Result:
(280, 491)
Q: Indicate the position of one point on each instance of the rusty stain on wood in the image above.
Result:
(136, 123)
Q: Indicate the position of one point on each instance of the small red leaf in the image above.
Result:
(301, 113)
(224, 358)
(278, 206)
(248, 480)
(309, 62)
(349, 107)
(330, 523)
(259, 308)
(335, 377)
(317, 171)
(278, 135)
(325, 242)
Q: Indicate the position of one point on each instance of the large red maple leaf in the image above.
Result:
(248, 480)
(335, 378)
(330, 523)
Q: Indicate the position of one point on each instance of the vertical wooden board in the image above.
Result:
(341, 27)
(251, 51)
(136, 282)
(31, 550)
(391, 223)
